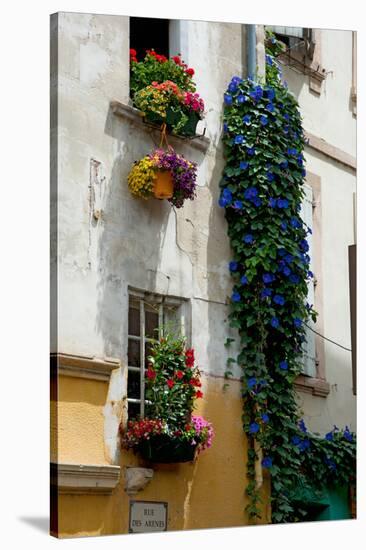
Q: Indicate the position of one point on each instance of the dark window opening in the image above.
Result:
(149, 34)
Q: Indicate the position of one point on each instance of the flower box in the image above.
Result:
(163, 449)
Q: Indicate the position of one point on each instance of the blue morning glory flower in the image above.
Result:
(233, 266)
(266, 292)
(263, 120)
(228, 99)
(302, 426)
(283, 226)
(305, 444)
(225, 127)
(329, 436)
(223, 202)
(284, 164)
(251, 151)
(227, 194)
(347, 435)
(272, 202)
(282, 252)
(250, 193)
(303, 173)
(267, 462)
(283, 365)
(291, 151)
(286, 129)
(253, 428)
(265, 417)
(251, 382)
(294, 278)
(297, 322)
(304, 246)
(278, 299)
(286, 271)
(257, 201)
(295, 440)
(286, 116)
(238, 205)
(330, 463)
(268, 278)
(270, 107)
(294, 222)
(241, 98)
(270, 93)
(269, 60)
(275, 322)
(236, 297)
(248, 238)
(244, 280)
(282, 203)
(233, 86)
(289, 258)
(243, 165)
(270, 176)
(246, 119)
(239, 139)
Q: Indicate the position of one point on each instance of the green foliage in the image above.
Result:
(261, 192)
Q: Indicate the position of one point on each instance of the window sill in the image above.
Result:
(133, 116)
(314, 386)
(80, 479)
(83, 367)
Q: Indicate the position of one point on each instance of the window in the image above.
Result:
(303, 53)
(148, 316)
(149, 34)
(310, 360)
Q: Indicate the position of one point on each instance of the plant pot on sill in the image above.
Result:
(163, 449)
(163, 185)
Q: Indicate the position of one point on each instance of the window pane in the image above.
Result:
(134, 353)
(134, 319)
(151, 322)
(133, 410)
(133, 385)
(172, 322)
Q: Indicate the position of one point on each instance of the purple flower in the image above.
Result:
(239, 139)
(223, 202)
(272, 202)
(267, 462)
(250, 193)
(282, 203)
(238, 205)
(283, 365)
(244, 280)
(275, 322)
(251, 382)
(243, 165)
(236, 297)
(268, 278)
(228, 99)
(248, 239)
(241, 98)
(253, 428)
(278, 299)
(233, 266)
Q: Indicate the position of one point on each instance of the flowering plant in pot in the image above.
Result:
(164, 91)
(170, 433)
(164, 174)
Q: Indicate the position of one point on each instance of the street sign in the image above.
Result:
(148, 516)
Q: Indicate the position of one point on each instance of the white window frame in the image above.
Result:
(161, 303)
(309, 358)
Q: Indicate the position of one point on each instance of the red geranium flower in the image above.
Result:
(179, 374)
(133, 52)
(177, 59)
(199, 394)
(170, 383)
(151, 374)
(190, 72)
(190, 357)
(188, 427)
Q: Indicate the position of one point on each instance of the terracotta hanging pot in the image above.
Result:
(163, 185)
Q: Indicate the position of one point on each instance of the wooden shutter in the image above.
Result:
(309, 357)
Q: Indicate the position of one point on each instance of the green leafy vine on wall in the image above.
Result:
(262, 192)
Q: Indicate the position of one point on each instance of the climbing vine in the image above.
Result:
(262, 192)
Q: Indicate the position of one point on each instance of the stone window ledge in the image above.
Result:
(83, 366)
(134, 117)
(83, 479)
(314, 386)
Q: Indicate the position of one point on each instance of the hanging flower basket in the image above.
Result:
(163, 185)
(165, 175)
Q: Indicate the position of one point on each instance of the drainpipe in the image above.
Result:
(251, 51)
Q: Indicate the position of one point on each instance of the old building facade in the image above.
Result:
(117, 260)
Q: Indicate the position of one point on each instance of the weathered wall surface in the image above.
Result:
(329, 116)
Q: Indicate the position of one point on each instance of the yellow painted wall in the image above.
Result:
(208, 493)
